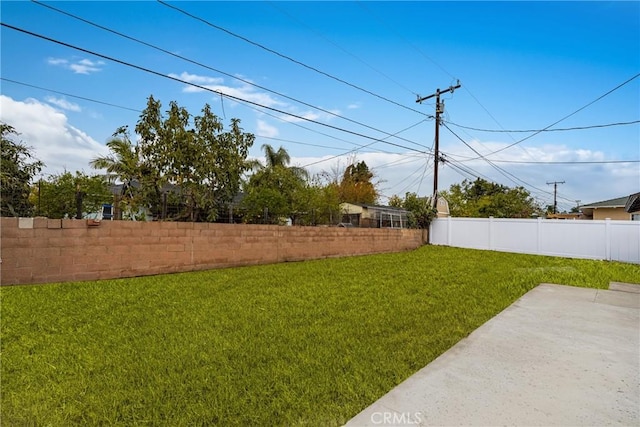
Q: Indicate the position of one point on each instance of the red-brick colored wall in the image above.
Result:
(40, 250)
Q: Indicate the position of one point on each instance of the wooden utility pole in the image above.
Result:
(555, 194)
(436, 153)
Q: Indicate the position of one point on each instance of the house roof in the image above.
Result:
(633, 203)
(378, 207)
(613, 203)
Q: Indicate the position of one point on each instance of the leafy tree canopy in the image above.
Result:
(356, 185)
(193, 155)
(275, 190)
(421, 213)
(61, 195)
(482, 199)
(17, 170)
(124, 163)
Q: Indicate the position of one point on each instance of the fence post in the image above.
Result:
(607, 239)
(490, 233)
(538, 234)
(448, 231)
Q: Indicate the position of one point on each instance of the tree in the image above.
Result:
(274, 191)
(420, 210)
(62, 195)
(315, 204)
(189, 162)
(224, 160)
(482, 199)
(276, 159)
(18, 167)
(356, 185)
(124, 163)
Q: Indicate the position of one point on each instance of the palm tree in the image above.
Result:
(281, 158)
(275, 187)
(276, 158)
(124, 162)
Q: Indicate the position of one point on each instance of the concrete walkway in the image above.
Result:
(560, 355)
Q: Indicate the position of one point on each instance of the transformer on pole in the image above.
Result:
(436, 154)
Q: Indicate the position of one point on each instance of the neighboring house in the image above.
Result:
(373, 216)
(113, 211)
(623, 208)
(566, 215)
(633, 206)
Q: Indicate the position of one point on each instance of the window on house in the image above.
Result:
(635, 217)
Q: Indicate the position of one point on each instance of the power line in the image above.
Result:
(358, 146)
(413, 46)
(502, 171)
(439, 111)
(505, 173)
(464, 171)
(134, 39)
(546, 129)
(70, 95)
(287, 14)
(567, 116)
(421, 52)
(600, 162)
(555, 194)
(235, 98)
(404, 159)
(363, 146)
(299, 142)
(566, 162)
(419, 177)
(295, 61)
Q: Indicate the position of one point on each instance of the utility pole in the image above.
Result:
(555, 194)
(436, 154)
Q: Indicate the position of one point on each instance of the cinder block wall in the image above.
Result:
(40, 250)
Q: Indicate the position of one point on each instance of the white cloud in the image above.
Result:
(354, 106)
(82, 66)
(196, 79)
(310, 115)
(83, 69)
(54, 140)
(265, 129)
(399, 173)
(57, 61)
(63, 103)
(585, 182)
(90, 63)
(248, 92)
(244, 91)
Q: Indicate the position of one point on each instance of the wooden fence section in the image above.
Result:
(39, 250)
(605, 240)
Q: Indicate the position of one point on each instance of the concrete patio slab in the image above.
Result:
(624, 287)
(559, 355)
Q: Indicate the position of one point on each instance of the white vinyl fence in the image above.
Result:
(606, 240)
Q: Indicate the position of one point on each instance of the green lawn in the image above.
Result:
(309, 343)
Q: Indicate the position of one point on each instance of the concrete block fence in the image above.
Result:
(41, 250)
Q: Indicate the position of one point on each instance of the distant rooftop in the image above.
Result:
(633, 203)
(613, 203)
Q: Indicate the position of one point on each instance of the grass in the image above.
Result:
(309, 343)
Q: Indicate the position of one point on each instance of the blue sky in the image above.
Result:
(355, 69)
